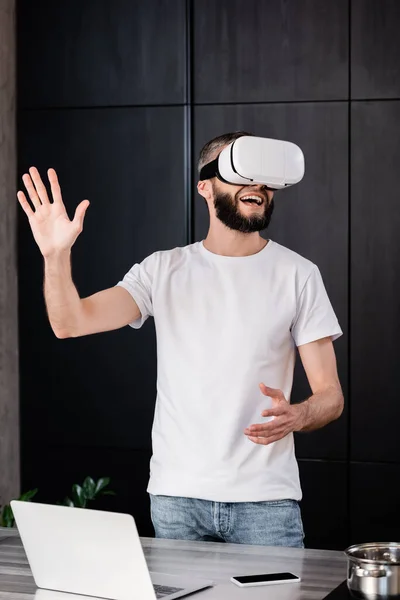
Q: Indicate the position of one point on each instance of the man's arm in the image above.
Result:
(327, 402)
(325, 405)
(71, 316)
(55, 234)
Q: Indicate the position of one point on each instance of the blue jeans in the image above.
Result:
(271, 523)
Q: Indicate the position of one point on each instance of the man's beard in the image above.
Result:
(228, 212)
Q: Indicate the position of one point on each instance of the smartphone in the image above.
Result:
(267, 579)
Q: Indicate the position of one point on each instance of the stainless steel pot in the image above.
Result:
(374, 570)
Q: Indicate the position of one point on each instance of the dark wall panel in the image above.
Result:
(252, 51)
(310, 218)
(99, 389)
(375, 49)
(375, 289)
(374, 502)
(101, 52)
(324, 505)
(87, 404)
(54, 469)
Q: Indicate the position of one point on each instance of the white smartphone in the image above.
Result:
(266, 579)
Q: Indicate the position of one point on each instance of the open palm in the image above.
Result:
(51, 227)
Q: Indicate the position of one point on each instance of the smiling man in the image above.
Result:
(229, 313)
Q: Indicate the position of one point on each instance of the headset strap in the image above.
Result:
(210, 170)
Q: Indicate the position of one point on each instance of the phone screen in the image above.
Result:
(266, 577)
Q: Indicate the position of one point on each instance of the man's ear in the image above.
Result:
(205, 189)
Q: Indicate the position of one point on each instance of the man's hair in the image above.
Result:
(208, 152)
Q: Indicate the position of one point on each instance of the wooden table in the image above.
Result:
(321, 570)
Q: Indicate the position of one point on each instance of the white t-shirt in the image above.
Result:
(224, 325)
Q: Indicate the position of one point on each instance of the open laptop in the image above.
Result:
(93, 553)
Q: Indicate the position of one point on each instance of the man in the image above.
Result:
(229, 312)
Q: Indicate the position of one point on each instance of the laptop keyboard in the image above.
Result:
(162, 591)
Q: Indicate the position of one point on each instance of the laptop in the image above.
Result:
(93, 553)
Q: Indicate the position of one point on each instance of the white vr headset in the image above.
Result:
(251, 160)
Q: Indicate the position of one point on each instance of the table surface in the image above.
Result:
(320, 570)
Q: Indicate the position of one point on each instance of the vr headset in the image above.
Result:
(251, 160)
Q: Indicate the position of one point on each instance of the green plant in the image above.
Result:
(7, 517)
(81, 495)
(87, 492)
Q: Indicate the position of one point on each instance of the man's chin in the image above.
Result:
(247, 226)
(241, 217)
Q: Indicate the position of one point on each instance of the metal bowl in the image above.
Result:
(374, 570)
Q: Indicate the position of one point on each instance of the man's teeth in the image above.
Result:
(255, 198)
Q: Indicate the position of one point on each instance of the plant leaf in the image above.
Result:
(89, 487)
(28, 495)
(108, 493)
(8, 517)
(67, 502)
(78, 496)
(101, 484)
